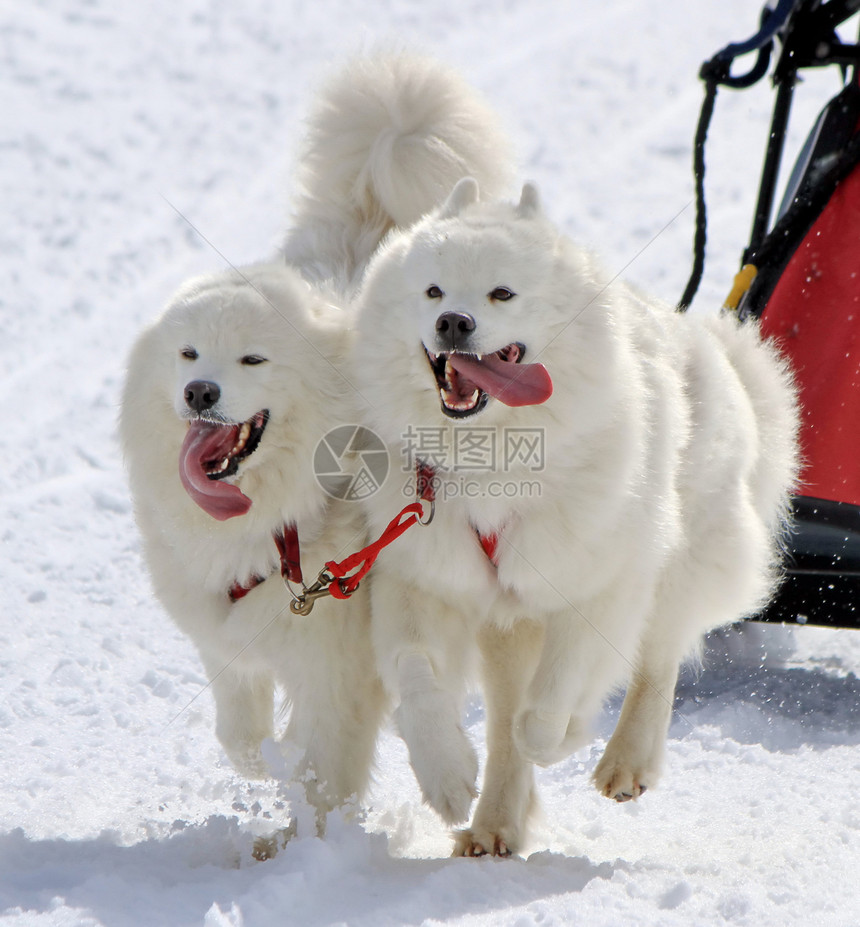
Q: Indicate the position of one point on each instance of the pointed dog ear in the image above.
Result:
(529, 204)
(464, 194)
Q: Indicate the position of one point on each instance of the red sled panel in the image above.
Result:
(814, 314)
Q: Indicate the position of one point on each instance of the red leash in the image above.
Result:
(366, 557)
(338, 580)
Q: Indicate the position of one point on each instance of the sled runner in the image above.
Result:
(801, 277)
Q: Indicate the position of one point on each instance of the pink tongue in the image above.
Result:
(510, 383)
(204, 444)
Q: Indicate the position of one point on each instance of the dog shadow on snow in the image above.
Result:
(203, 874)
(750, 686)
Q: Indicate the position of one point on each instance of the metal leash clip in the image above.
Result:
(303, 603)
(425, 520)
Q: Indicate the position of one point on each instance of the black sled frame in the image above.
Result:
(822, 561)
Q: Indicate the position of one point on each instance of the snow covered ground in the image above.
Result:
(145, 142)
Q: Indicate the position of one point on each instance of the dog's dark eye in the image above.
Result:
(502, 294)
(434, 292)
(251, 360)
(188, 353)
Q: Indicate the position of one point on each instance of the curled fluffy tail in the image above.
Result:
(388, 138)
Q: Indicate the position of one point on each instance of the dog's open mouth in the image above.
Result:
(467, 381)
(226, 446)
(211, 452)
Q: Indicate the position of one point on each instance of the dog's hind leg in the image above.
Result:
(633, 757)
(710, 584)
(508, 796)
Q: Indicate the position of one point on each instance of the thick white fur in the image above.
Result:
(388, 136)
(669, 456)
(321, 663)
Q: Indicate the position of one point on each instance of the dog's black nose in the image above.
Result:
(453, 330)
(201, 395)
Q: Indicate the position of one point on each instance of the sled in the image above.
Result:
(800, 276)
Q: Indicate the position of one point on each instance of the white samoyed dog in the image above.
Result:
(611, 480)
(228, 395)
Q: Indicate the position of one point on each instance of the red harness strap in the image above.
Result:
(490, 543)
(287, 542)
(238, 591)
(424, 475)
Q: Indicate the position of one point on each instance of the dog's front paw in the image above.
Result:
(545, 737)
(471, 842)
(443, 759)
(621, 779)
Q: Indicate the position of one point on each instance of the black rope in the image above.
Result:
(714, 72)
(792, 20)
(700, 237)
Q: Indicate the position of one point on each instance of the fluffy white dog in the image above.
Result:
(228, 394)
(611, 480)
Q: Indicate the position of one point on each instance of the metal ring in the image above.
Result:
(432, 512)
